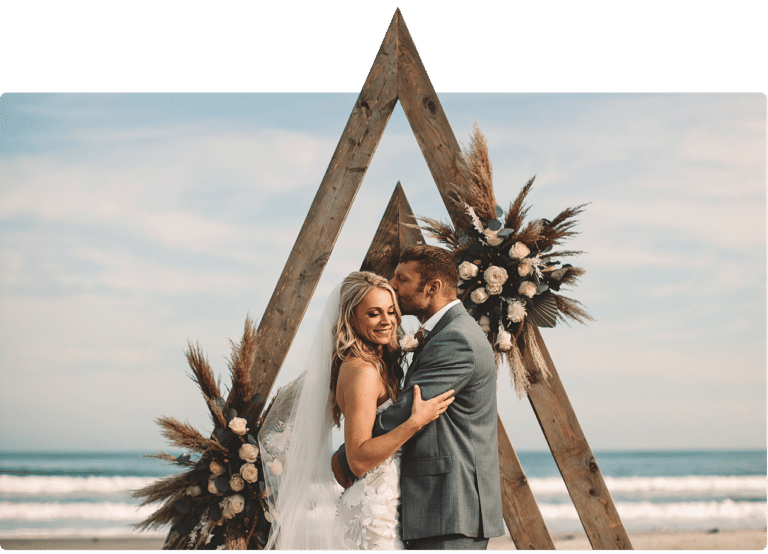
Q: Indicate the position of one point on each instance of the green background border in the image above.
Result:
(302, 45)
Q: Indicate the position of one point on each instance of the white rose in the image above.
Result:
(194, 491)
(519, 250)
(249, 472)
(409, 342)
(479, 296)
(494, 288)
(236, 483)
(524, 269)
(516, 311)
(504, 340)
(276, 467)
(492, 237)
(496, 275)
(248, 452)
(212, 486)
(238, 426)
(232, 505)
(485, 323)
(216, 468)
(467, 270)
(527, 288)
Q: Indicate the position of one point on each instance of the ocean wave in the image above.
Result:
(50, 511)
(669, 512)
(68, 485)
(754, 485)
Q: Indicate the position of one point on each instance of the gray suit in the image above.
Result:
(449, 470)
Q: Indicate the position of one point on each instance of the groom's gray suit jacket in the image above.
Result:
(449, 471)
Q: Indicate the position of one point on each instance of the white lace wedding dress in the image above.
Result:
(368, 513)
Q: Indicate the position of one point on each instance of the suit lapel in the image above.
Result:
(454, 312)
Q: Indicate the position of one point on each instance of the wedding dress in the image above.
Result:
(306, 506)
(368, 514)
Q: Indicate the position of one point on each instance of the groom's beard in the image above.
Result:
(412, 306)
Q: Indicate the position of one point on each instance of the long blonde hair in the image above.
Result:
(348, 344)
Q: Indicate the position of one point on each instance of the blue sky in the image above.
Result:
(131, 223)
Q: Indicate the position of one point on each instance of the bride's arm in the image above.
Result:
(358, 389)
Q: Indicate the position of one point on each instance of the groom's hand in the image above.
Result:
(338, 472)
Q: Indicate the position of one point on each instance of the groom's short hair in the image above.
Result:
(433, 263)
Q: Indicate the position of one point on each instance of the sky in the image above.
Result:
(133, 223)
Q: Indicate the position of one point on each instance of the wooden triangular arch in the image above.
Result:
(398, 74)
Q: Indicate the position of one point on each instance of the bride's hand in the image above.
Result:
(425, 411)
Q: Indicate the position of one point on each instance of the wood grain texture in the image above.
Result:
(393, 234)
(427, 119)
(519, 507)
(573, 455)
(329, 209)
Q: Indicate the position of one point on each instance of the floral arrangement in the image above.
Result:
(221, 499)
(510, 275)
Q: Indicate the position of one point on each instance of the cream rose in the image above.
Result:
(493, 288)
(504, 340)
(527, 288)
(496, 275)
(249, 473)
(216, 468)
(467, 270)
(516, 311)
(276, 467)
(519, 250)
(212, 485)
(195, 490)
(236, 483)
(479, 296)
(409, 342)
(238, 426)
(524, 269)
(248, 452)
(485, 323)
(232, 505)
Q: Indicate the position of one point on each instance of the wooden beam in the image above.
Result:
(395, 232)
(428, 121)
(323, 223)
(574, 458)
(519, 507)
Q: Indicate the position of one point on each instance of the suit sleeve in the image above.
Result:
(447, 362)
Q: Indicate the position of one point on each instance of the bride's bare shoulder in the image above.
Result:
(356, 374)
(356, 368)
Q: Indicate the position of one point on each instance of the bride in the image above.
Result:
(352, 371)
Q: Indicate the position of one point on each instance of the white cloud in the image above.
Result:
(127, 272)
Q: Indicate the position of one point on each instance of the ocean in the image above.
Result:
(87, 494)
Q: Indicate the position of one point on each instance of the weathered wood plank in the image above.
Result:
(392, 236)
(519, 507)
(427, 119)
(574, 458)
(323, 223)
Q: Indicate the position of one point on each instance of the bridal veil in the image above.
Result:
(295, 444)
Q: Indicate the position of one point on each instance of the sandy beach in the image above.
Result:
(694, 540)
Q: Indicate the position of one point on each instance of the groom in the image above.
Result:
(449, 471)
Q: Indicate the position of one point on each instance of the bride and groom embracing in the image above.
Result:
(420, 463)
